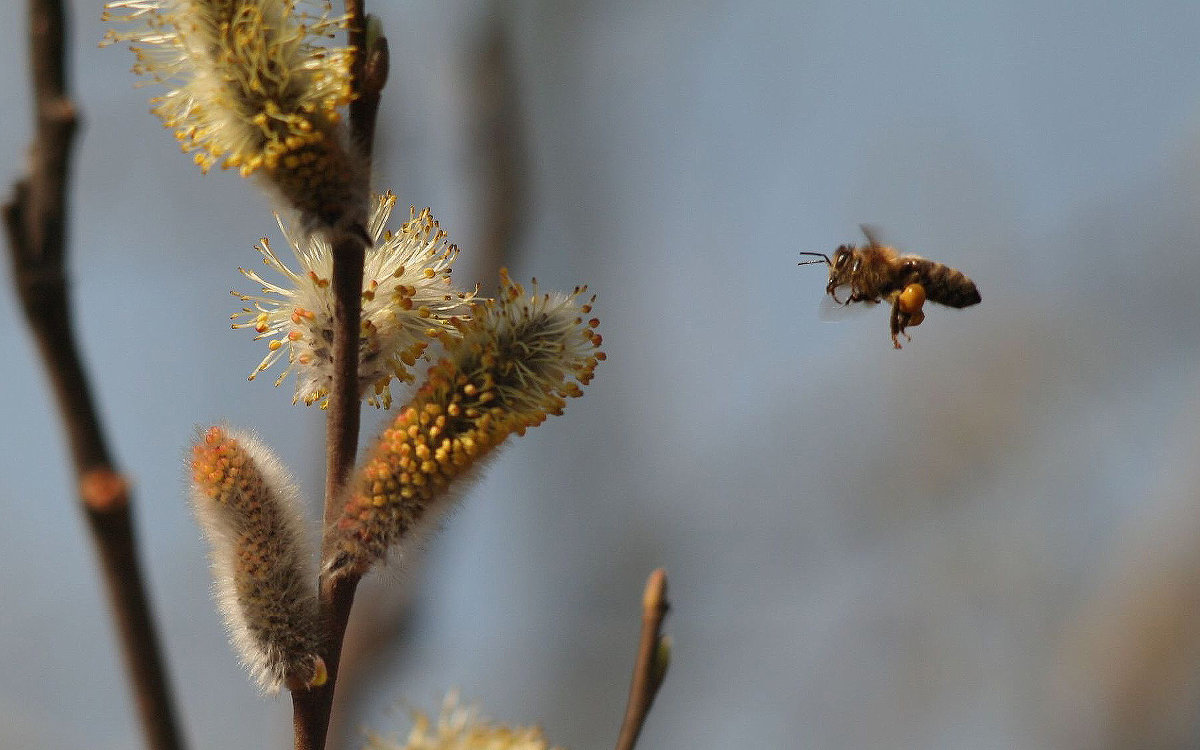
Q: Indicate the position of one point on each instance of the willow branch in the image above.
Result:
(652, 657)
(311, 709)
(370, 73)
(35, 221)
(342, 414)
(499, 144)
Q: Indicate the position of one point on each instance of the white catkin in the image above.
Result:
(261, 562)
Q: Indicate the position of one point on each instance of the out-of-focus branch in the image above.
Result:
(35, 221)
(500, 144)
(652, 659)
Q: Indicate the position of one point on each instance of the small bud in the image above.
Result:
(250, 512)
(662, 660)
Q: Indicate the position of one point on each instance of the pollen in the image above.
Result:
(912, 299)
(407, 300)
(518, 359)
(252, 85)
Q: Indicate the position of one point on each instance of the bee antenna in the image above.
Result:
(823, 259)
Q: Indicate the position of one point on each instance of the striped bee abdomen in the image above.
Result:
(945, 285)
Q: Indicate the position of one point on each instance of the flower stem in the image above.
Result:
(311, 708)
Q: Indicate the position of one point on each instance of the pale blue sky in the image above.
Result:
(867, 548)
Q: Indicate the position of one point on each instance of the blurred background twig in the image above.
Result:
(36, 221)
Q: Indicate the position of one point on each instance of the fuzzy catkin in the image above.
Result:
(462, 728)
(515, 362)
(251, 514)
(407, 298)
(252, 86)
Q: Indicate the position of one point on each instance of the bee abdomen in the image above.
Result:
(947, 286)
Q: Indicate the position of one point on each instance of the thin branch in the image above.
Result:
(371, 63)
(35, 221)
(311, 709)
(342, 415)
(499, 144)
(382, 618)
(652, 658)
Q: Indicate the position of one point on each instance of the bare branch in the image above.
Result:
(311, 709)
(35, 222)
(651, 666)
(500, 145)
(371, 63)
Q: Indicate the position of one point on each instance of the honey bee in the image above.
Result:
(874, 272)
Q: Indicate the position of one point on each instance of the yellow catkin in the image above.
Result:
(516, 361)
(461, 728)
(251, 85)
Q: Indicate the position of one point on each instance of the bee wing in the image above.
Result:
(872, 233)
(830, 310)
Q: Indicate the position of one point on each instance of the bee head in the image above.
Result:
(842, 266)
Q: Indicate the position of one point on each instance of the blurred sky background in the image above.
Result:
(990, 539)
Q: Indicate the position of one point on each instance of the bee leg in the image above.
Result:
(899, 323)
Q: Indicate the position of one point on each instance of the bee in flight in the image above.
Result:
(874, 272)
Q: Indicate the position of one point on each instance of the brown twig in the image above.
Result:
(35, 221)
(371, 62)
(375, 638)
(652, 658)
(342, 414)
(311, 709)
(499, 145)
